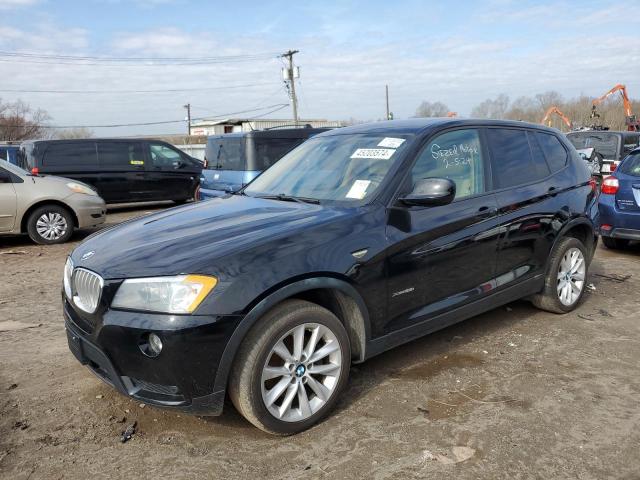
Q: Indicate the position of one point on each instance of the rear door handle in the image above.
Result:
(553, 190)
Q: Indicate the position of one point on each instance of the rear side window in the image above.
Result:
(120, 154)
(553, 150)
(71, 154)
(631, 165)
(226, 153)
(512, 161)
(269, 151)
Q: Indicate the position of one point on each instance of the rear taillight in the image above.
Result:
(35, 171)
(613, 167)
(610, 186)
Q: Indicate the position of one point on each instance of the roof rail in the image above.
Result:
(306, 125)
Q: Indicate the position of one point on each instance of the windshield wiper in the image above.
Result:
(289, 198)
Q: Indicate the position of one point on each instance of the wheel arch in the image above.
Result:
(41, 203)
(337, 295)
(582, 229)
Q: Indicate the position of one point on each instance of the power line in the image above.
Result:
(169, 90)
(18, 57)
(279, 106)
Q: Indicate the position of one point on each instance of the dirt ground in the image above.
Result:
(514, 393)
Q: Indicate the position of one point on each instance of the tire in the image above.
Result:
(50, 224)
(615, 243)
(550, 299)
(257, 357)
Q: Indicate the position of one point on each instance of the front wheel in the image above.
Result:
(566, 277)
(50, 224)
(291, 368)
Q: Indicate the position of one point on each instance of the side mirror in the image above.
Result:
(431, 192)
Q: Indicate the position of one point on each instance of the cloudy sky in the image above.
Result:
(456, 52)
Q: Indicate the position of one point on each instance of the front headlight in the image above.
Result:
(180, 294)
(66, 279)
(78, 188)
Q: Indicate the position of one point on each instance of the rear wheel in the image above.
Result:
(50, 224)
(291, 368)
(615, 243)
(566, 277)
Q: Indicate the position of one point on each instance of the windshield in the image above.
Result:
(631, 165)
(606, 144)
(338, 167)
(226, 153)
(12, 168)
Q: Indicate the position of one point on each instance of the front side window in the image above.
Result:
(456, 155)
(70, 154)
(164, 157)
(512, 161)
(341, 168)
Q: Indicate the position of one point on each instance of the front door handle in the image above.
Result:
(487, 211)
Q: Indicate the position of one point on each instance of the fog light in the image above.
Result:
(150, 345)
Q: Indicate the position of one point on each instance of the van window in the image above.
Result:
(70, 154)
(269, 150)
(164, 157)
(512, 162)
(631, 142)
(120, 154)
(456, 155)
(553, 150)
(226, 153)
(631, 165)
(605, 143)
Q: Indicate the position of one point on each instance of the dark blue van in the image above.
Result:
(234, 159)
(9, 153)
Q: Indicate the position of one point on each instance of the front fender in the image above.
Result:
(273, 299)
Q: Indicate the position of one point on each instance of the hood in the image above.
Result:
(190, 239)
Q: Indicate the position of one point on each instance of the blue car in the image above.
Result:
(619, 205)
(232, 160)
(9, 153)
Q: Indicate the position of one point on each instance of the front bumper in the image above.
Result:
(181, 377)
(90, 210)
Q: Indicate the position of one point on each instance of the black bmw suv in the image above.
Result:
(357, 241)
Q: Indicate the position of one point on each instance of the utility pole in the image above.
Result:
(289, 74)
(386, 94)
(188, 107)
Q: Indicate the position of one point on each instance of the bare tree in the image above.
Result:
(496, 108)
(71, 133)
(18, 121)
(429, 109)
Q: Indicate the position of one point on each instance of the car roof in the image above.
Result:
(417, 126)
(302, 132)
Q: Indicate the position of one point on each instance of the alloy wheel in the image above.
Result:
(51, 226)
(571, 276)
(301, 372)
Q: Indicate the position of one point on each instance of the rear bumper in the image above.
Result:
(622, 233)
(182, 380)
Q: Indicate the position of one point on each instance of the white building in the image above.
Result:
(232, 125)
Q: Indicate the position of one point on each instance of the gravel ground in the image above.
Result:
(513, 393)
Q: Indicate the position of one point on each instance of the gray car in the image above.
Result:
(47, 208)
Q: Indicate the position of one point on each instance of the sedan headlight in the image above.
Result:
(66, 279)
(180, 294)
(79, 188)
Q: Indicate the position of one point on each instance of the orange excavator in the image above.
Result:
(633, 124)
(558, 112)
(452, 114)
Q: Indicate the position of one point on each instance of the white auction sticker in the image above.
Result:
(358, 189)
(375, 153)
(390, 142)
